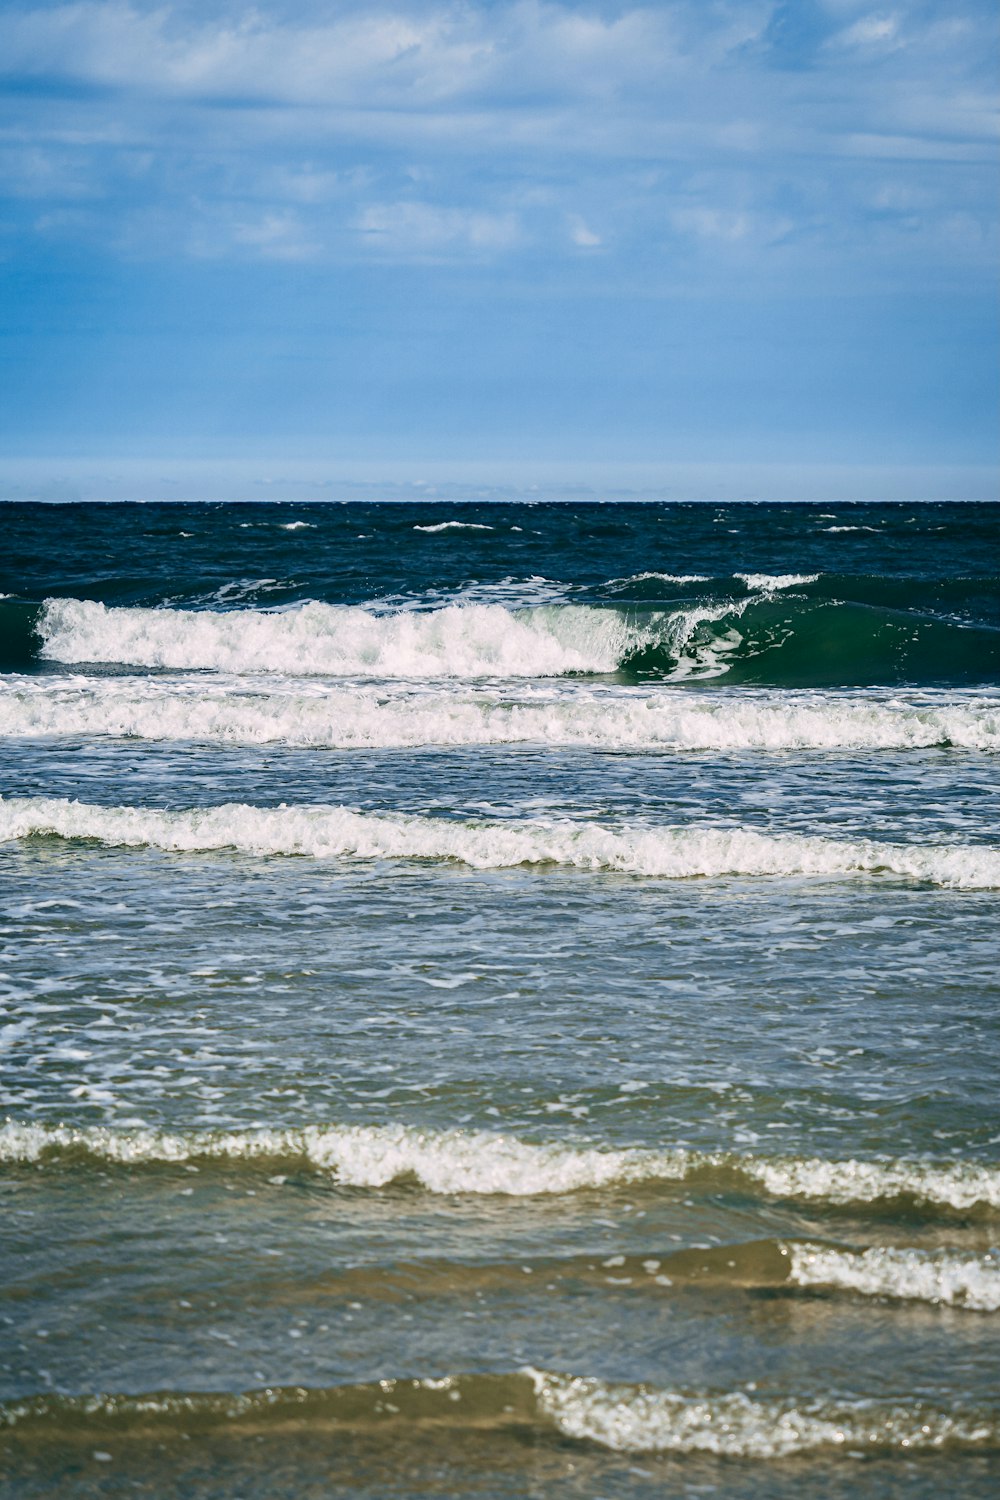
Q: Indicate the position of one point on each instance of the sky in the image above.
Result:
(713, 248)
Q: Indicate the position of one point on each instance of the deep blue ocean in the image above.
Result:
(499, 1000)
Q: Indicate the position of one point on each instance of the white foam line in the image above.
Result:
(325, 832)
(661, 578)
(455, 526)
(463, 1161)
(344, 718)
(637, 1419)
(771, 582)
(945, 1277)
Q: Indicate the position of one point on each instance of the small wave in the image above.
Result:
(620, 1417)
(945, 1277)
(480, 1162)
(326, 832)
(850, 528)
(655, 577)
(297, 526)
(642, 1419)
(771, 582)
(291, 713)
(455, 526)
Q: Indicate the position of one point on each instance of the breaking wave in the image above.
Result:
(293, 713)
(480, 1162)
(643, 1419)
(327, 832)
(472, 640)
(773, 637)
(946, 1277)
(623, 1418)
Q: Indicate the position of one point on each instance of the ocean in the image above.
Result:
(499, 1000)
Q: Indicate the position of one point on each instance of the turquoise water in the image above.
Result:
(499, 1000)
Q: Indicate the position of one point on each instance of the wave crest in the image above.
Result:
(290, 713)
(624, 1418)
(458, 1161)
(472, 640)
(325, 832)
(641, 1419)
(945, 1277)
(770, 637)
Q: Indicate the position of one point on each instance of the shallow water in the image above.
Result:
(521, 1023)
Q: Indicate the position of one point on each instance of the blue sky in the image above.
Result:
(715, 245)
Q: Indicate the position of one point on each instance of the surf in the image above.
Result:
(619, 1416)
(481, 1162)
(325, 715)
(777, 637)
(323, 831)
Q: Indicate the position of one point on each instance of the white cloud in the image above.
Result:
(364, 55)
(399, 54)
(874, 32)
(581, 234)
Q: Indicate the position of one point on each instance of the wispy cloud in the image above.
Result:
(427, 128)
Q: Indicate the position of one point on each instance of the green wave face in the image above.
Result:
(813, 643)
(20, 645)
(767, 639)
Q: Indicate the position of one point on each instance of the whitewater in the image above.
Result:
(330, 832)
(300, 712)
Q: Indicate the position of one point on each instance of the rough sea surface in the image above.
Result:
(499, 1001)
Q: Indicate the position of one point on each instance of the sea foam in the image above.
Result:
(642, 1419)
(483, 1162)
(325, 832)
(946, 1277)
(458, 640)
(299, 713)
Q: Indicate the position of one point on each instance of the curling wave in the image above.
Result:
(459, 1161)
(325, 832)
(292, 712)
(772, 637)
(624, 1418)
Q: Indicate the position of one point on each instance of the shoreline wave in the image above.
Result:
(481, 1162)
(624, 1418)
(291, 713)
(325, 832)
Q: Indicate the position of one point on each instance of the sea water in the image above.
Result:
(499, 1000)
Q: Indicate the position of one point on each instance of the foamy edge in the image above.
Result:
(325, 832)
(299, 714)
(642, 1419)
(946, 1278)
(481, 1162)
